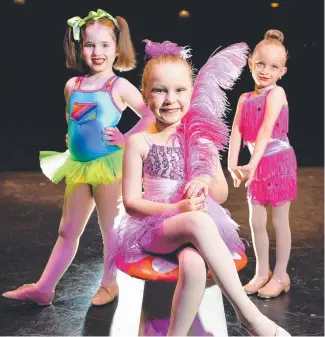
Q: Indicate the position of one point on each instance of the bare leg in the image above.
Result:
(192, 275)
(77, 208)
(106, 197)
(258, 221)
(280, 220)
(199, 229)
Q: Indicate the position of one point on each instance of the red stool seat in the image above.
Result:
(162, 268)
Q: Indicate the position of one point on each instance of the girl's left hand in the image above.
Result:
(247, 172)
(114, 137)
(196, 187)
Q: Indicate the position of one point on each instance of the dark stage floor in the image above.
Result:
(30, 208)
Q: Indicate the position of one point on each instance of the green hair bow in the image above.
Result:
(76, 22)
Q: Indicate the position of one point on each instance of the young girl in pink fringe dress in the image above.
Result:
(177, 163)
(262, 121)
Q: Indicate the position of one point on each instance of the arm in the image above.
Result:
(216, 187)
(236, 136)
(219, 188)
(274, 103)
(132, 186)
(133, 98)
(67, 92)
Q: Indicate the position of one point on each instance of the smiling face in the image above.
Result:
(267, 64)
(168, 91)
(99, 47)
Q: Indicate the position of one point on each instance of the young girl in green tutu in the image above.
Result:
(92, 165)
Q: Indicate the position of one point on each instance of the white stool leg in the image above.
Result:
(156, 307)
(126, 319)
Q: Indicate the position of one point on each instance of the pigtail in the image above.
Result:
(126, 54)
(72, 51)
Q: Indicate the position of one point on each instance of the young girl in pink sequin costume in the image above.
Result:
(262, 121)
(177, 163)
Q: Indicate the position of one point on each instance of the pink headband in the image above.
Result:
(155, 49)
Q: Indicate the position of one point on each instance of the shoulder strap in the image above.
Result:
(268, 92)
(147, 138)
(77, 83)
(110, 83)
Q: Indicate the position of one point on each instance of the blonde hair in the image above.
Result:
(124, 48)
(272, 37)
(159, 60)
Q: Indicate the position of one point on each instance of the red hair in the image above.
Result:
(159, 60)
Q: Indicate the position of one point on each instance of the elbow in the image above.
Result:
(266, 132)
(129, 207)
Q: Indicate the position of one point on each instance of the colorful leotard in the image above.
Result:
(89, 159)
(89, 113)
(275, 180)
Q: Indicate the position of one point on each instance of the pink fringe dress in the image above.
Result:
(275, 180)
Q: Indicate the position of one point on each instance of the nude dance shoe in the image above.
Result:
(256, 283)
(28, 292)
(105, 294)
(275, 287)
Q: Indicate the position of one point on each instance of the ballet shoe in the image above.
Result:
(278, 331)
(105, 294)
(28, 292)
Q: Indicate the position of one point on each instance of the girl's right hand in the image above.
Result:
(194, 204)
(66, 140)
(236, 176)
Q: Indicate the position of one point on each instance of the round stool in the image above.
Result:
(162, 268)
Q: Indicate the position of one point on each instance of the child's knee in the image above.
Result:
(67, 232)
(192, 264)
(201, 224)
(106, 228)
(257, 225)
(198, 219)
(280, 222)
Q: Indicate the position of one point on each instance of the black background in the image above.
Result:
(33, 66)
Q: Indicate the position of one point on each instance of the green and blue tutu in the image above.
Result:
(104, 170)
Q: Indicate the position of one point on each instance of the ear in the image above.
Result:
(250, 64)
(283, 71)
